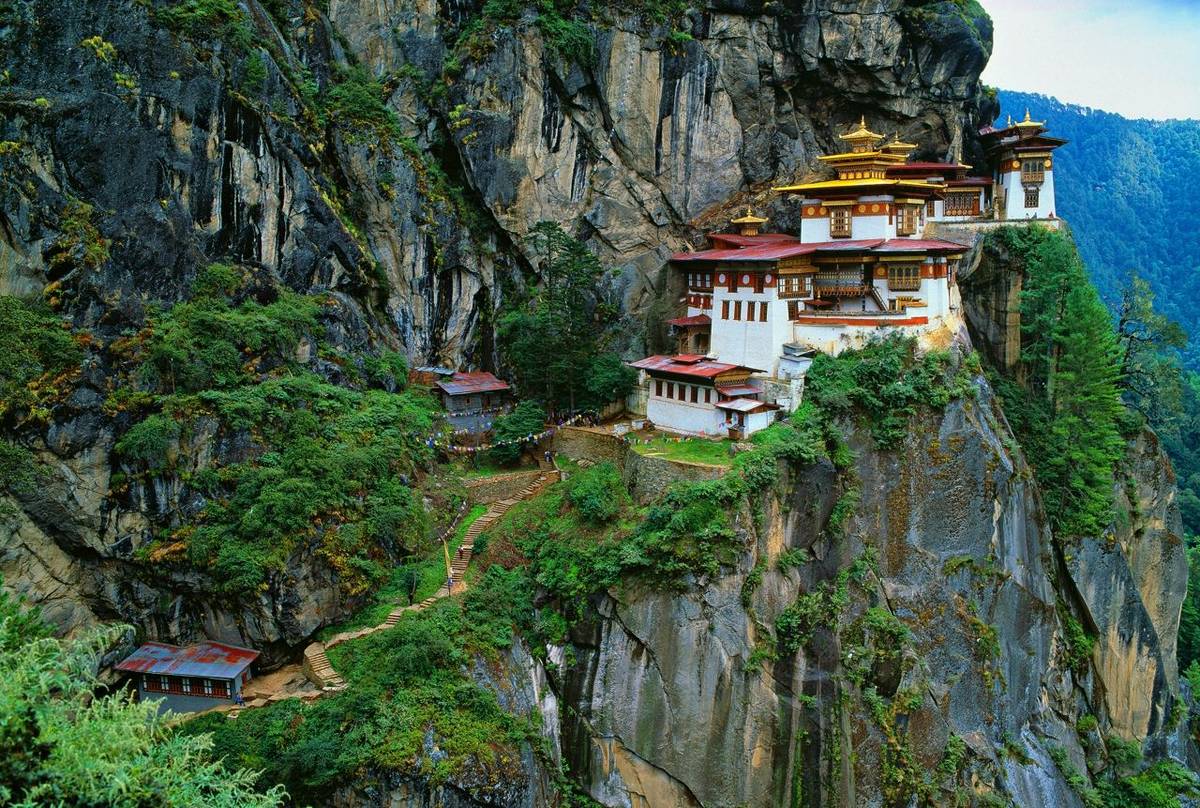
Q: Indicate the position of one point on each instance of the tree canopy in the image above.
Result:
(60, 745)
(558, 343)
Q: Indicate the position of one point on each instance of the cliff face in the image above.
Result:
(945, 672)
(190, 148)
(137, 147)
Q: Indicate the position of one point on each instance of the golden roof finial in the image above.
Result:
(1029, 122)
(749, 218)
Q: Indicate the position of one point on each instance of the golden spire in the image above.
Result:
(862, 139)
(1030, 123)
(748, 224)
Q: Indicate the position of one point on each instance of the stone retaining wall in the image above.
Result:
(578, 443)
(648, 477)
(486, 490)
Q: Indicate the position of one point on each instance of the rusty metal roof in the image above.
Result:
(212, 660)
(463, 384)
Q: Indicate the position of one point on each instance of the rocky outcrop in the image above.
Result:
(136, 150)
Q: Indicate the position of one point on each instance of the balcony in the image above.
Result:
(842, 290)
(906, 284)
(1033, 177)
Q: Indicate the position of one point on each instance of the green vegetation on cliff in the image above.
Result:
(1066, 405)
(321, 466)
(60, 744)
(409, 708)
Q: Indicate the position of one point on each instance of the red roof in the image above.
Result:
(738, 240)
(695, 319)
(686, 365)
(893, 245)
(462, 384)
(209, 659)
(927, 169)
(781, 249)
(982, 182)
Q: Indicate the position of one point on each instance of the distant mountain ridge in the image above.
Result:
(1128, 189)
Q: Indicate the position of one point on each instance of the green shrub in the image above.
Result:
(207, 19)
(598, 492)
(149, 441)
(79, 243)
(526, 419)
(886, 382)
(38, 355)
(356, 104)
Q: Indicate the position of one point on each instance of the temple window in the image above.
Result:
(907, 225)
(839, 222)
(762, 312)
(724, 309)
(904, 277)
(1031, 197)
(1032, 170)
(962, 204)
(695, 394)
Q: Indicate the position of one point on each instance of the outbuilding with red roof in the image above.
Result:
(473, 399)
(190, 678)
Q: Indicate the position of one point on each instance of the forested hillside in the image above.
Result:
(1125, 186)
(1128, 189)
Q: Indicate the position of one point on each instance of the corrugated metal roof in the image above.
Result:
(926, 166)
(462, 384)
(213, 660)
(686, 365)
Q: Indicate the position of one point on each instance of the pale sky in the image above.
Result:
(1138, 58)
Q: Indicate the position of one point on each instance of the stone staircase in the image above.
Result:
(316, 662)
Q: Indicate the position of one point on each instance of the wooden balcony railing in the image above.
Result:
(1032, 177)
(842, 290)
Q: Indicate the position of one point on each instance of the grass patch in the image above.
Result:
(688, 450)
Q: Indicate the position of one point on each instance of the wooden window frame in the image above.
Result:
(737, 310)
(762, 311)
(695, 394)
(1034, 194)
(904, 277)
(658, 388)
(840, 222)
(906, 222)
(724, 309)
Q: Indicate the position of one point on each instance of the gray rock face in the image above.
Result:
(672, 708)
(418, 235)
